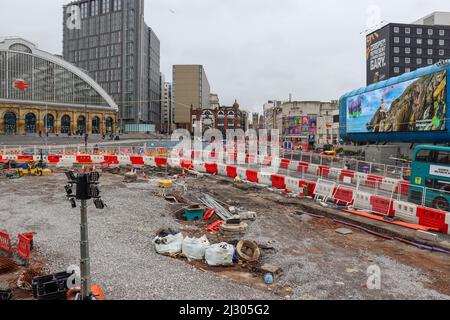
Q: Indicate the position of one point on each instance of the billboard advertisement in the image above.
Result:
(415, 105)
(377, 46)
(299, 125)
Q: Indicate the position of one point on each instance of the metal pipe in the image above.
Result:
(85, 267)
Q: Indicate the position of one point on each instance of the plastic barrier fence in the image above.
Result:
(5, 243)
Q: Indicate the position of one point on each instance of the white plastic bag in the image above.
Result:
(170, 244)
(220, 254)
(194, 248)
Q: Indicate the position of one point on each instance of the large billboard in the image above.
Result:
(415, 105)
(299, 125)
(377, 55)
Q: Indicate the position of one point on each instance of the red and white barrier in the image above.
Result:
(362, 201)
(406, 211)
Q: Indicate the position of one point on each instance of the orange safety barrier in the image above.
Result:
(186, 164)
(111, 159)
(252, 176)
(432, 218)
(343, 196)
(382, 205)
(404, 188)
(284, 164)
(54, 159)
(161, 161)
(211, 168)
(137, 161)
(303, 166)
(374, 181)
(5, 243)
(24, 247)
(22, 158)
(86, 159)
(399, 223)
(278, 181)
(324, 171)
(232, 171)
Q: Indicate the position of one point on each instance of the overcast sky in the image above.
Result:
(252, 50)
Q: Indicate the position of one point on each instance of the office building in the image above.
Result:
(399, 48)
(190, 89)
(117, 48)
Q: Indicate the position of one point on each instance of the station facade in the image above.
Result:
(41, 92)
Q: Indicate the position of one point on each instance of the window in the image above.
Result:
(407, 70)
(430, 42)
(106, 6)
(443, 157)
(396, 39)
(441, 52)
(430, 52)
(442, 32)
(430, 32)
(441, 42)
(117, 5)
(419, 60)
(407, 60)
(419, 50)
(407, 30)
(419, 41)
(396, 49)
(430, 61)
(423, 156)
(407, 50)
(94, 8)
(396, 69)
(396, 59)
(396, 29)
(407, 40)
(84, 10)
(419, 30)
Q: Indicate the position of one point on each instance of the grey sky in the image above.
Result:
(252, 50)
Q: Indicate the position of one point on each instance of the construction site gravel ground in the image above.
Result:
(317, 262)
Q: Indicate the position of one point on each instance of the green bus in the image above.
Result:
(430, 177)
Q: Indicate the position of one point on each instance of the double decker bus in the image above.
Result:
(430, 177)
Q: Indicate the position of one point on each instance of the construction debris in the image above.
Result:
(233, 230)
(220, 254)
(7, 265)
(194, 248)
(130, 177)
(344, 231)
(248, 251)
(168, 242)
(25, 279)
(210, 202)
(271, 269)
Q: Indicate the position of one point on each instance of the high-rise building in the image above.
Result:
(399, 48)
(190, 89)
(255, 121)
(166, 108)
(117, 48)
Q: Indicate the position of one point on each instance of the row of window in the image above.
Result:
(430, 52)
(408, 60)
(420, 41)
(419, 31)
(92, 8)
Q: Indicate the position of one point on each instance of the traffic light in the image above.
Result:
(87, 187)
